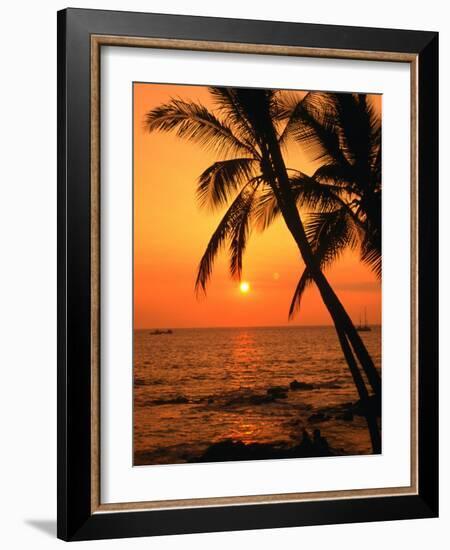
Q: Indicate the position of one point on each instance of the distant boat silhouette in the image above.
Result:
(157, 332)
(363, 327)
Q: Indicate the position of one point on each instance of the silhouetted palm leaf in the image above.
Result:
(289, 111)
(266, 209)
(335, 174)
(371, 256)
(344, 131)
(307, 193)
(285, 103)
(310, 194)
(194, 122)
(329, 233)
(235, 217)
(313, 123)
(299, 290)
(222, 178)
(240, 233)
(231, 109)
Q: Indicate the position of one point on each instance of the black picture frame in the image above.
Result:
(75, 518)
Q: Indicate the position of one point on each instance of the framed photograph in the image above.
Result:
(247, 255)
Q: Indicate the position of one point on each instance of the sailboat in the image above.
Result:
(363, 327)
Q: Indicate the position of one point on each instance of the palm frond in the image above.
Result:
(321, 197)
(371, 245)
(221, 179)
(372, 257)
(231, 109)
(240, 233)
(306, 192)
(223, 232)
(266, 209)
(303, 282)
(283, 105)
(290, 111)
(360, 127)
(335, 174)
(313, 123)
(196, 123)
(329, 234)
(376, 156)
(376, 163)
(255, 106)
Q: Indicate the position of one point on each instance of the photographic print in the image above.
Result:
(257, 274)
(225, 297)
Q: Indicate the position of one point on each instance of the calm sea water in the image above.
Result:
(197, 386)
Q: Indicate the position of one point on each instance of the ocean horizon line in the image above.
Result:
(225, 327)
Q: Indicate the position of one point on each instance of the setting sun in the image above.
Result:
(244, 287)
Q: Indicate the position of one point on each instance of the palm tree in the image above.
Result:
(247, 132)
(343, 132)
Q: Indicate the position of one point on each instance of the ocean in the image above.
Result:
(196, 387)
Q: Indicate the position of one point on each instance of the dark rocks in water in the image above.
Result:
(230, 449)
(178, 400)
(281, 395)
(346, 415)
(329, 386)
(249, 399)
(347, 411)
(319, 417)
(320, 444)
(277, 389)
(296, 385)
(262, 399)
(278, 392)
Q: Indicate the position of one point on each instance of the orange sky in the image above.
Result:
(171, 233)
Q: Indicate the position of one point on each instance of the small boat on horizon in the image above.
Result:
(363, 327)
(157, 332)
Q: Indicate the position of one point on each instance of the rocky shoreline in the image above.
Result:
(245, 396)
(305, 444)
(311, 445)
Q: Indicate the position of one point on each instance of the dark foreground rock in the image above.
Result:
(347, 416)
(319, 417)
(347, 411)
(243, 399)
(178, 400)
(295, 385)
(230, 449)
(278, 392)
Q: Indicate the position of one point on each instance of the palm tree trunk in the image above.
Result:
(332, 302)
(369, 413)
(335, 309)
(346, 331)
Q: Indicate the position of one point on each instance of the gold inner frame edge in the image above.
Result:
(97, 41)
